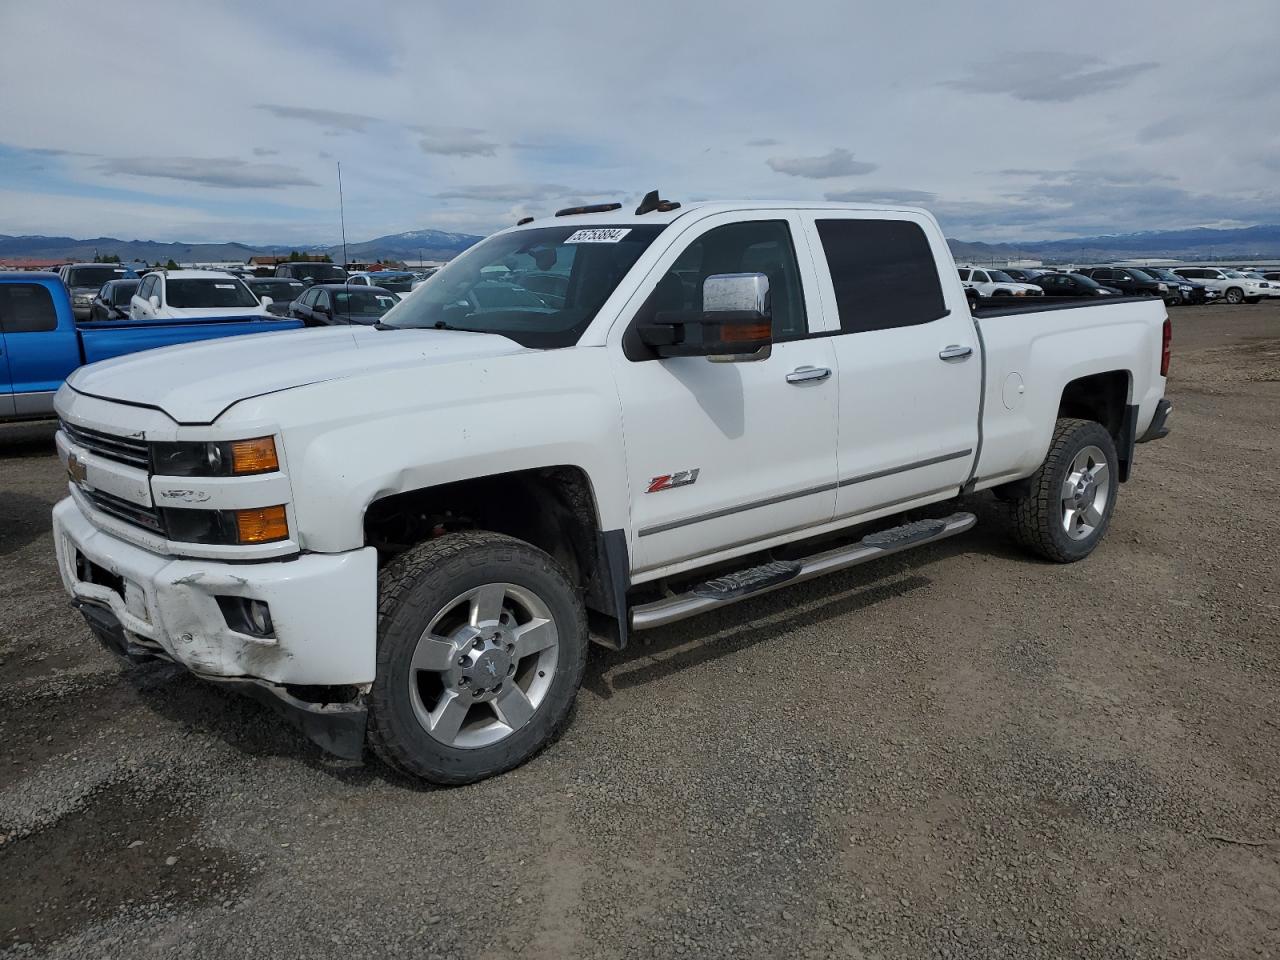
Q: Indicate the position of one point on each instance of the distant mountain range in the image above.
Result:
(414, 245)
(1197, 243)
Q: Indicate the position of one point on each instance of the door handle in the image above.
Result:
(955, 352)
(808, 374)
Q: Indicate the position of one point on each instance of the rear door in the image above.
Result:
(722, 456)
(908, 359)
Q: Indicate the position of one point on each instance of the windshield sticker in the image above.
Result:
(599, 235)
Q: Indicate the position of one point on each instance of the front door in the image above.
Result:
(721, 456)
(908, 358)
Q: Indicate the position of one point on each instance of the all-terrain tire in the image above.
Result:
(412, 590)
(1038, 515)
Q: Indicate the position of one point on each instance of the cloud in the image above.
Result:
(334, 121)
(1047, 76)
(264, 152)
(838, 163)
(455, 141)
(211, 171)
(764, 142)
(886, 196)
(523, 193)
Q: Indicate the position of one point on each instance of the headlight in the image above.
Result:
(1163, 287)
(258, 525)
(223, 458)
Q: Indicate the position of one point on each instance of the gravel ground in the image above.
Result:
(956, 752)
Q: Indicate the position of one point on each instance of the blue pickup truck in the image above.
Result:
(41, 342)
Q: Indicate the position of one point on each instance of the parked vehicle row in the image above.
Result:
(1175, 286)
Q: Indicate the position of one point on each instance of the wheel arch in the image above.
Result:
(1105, 397)
(554, 508)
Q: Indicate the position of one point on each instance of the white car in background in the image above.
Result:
(1232, 285)
(1270, 288)
(996, 283)
(179, 294)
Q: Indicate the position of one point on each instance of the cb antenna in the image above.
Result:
(342, 217)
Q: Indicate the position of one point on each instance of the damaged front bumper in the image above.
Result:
(322, 613)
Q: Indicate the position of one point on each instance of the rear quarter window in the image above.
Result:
(883, 272)
(26, 308)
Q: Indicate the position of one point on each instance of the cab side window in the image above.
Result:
(884, 274)
(753, 246)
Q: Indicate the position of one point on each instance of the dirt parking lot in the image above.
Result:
(957, 752)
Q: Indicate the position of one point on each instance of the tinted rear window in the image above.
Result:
(206, 294)
(26, 308)
(883, 272)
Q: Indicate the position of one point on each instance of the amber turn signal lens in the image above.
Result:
(745, 332)
(262, 525)
(254, 456)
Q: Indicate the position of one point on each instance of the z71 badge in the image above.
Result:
(666, 482)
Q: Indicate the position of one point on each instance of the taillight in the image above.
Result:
(1167, 341)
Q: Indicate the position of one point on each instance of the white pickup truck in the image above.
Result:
(405, 536)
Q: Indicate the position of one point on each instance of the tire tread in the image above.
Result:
(1035, 515)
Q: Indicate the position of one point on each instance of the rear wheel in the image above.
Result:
(1068, 502)
(1234, 295)
(482, 642)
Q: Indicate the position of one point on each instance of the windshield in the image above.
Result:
(93, 276)
(1164, 275)
(1085, 280)
(1235, 275)
(362, 302)
(206, 293)
(318, 272)
(1139, 275)
(487, 289)
(999, 276)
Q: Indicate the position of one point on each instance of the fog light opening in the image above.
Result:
(248, 616)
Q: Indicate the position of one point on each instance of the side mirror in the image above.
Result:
(154, 301)
(266, 301)
(735, 324)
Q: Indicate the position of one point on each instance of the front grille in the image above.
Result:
(120, 449)
(145, 517)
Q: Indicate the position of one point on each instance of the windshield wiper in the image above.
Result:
(438, 325)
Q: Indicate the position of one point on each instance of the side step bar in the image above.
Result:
(781, 573)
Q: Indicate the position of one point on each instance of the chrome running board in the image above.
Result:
(782, 573)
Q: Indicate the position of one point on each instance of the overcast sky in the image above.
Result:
(224, 121)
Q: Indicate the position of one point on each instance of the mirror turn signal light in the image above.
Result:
(254, 456)
(261, 525)
(746, 332)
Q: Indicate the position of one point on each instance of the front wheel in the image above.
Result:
(1069, 500)
(482, 642)
(1234, 295)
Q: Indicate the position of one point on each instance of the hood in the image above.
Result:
(194, 383)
